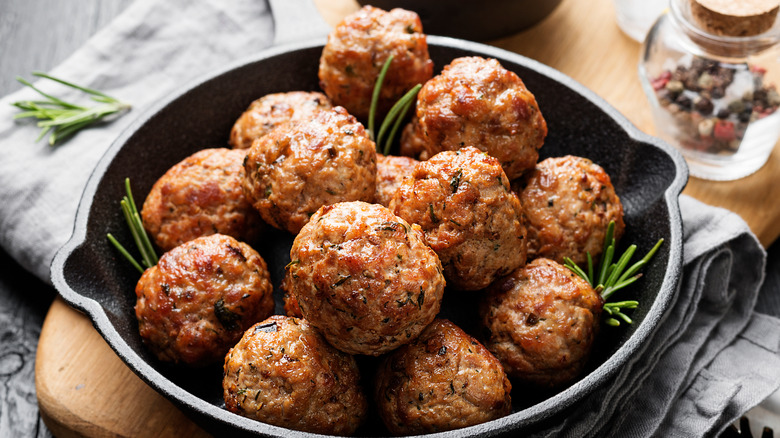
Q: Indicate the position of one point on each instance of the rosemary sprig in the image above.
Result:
(613, 276)
(63, 118)
(394, 117)
(142, 242)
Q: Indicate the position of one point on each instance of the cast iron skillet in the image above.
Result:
(648, 175)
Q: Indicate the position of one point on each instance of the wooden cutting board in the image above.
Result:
(84, 389)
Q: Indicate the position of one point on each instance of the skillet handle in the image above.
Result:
(297, 20)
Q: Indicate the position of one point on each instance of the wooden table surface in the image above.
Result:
(85, 389)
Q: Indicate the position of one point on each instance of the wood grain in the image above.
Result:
(85, 389)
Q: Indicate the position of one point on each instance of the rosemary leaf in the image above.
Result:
(636, 267)
(375, 96)
(395, 111)
(124, 252)
(620, 266)
(569, 263)
(401, 117)
(606, 263)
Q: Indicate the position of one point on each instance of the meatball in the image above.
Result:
(357, 49)
(470, 217)
(477, 102)
(540, 323)
(200, 297)
(443, 380)
(364, 277)
(273, 110)
(284, 373)
(568, 203)
(296, 169)
(390, 171)
(201, 195)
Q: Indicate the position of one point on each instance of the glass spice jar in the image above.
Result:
(713, 96)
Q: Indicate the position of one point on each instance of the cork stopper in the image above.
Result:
(739, 18)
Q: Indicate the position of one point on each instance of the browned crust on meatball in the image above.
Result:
(443, 380)
(390, 172)
(358, 48)
(364, 277)
(200, 297)
(295, 170)
(274, 110)
(284, 373)
(199, 196)
(541, 322)
(470, 217)
(477, 102)
(568, 203)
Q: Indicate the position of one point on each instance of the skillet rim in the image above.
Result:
(521, 419)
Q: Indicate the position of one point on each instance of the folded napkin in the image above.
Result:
(151, 49)
(711, 360)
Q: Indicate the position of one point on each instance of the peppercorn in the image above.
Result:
(664, 96)
(705, 81)
(724, 130)
(723, 113)
(684, 101)
(703, 105)
(760, 97)
(736, 106)
(675, 87)
(705, 127)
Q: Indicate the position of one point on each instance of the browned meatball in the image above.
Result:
(296, 169)
(541, 322)
(443, 380)
(390, 171)
(358, 48)
(201, 296)
(470, 217)
(284, 373)
(568, 203)
(364, 277)
(273, 110)
(477, 102)
(199, 196)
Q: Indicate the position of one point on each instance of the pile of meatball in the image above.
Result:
(380, 242)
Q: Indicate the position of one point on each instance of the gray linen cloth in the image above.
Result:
(710, 361)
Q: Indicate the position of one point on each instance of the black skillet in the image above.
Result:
(648, 175)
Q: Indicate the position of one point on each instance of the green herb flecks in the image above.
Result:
(434, 219)
(142, 242)
(394, 117)
(64, 119)
(455, 182)
(226, 317)
(611, 277)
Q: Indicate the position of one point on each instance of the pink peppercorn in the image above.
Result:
(724, 130)
(662, 80)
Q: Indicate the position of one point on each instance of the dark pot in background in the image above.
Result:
(472, 19)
